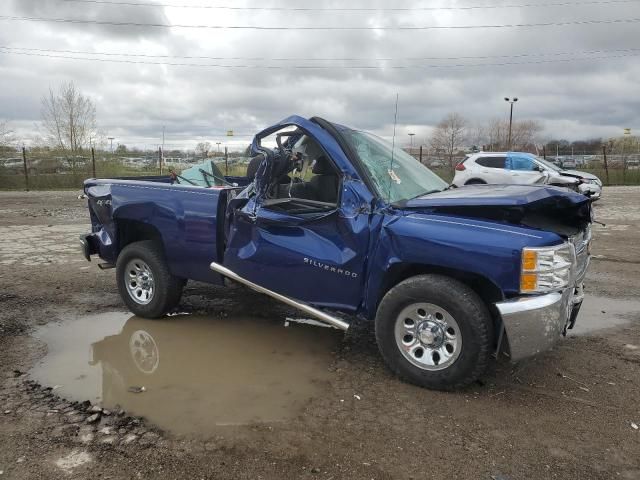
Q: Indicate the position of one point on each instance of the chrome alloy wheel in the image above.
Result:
(139, 281)
(428, 336)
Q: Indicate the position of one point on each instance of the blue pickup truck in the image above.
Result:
(341, 225)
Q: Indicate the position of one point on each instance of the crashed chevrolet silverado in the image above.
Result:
(338, 224)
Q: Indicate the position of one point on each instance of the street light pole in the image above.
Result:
(511, 102)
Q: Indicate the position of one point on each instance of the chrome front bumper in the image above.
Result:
(534, 324)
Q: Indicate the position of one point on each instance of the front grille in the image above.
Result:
(581, 242)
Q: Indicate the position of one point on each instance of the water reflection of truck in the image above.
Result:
(339, 224)
(196, 373)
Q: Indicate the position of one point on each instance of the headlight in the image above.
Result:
(546, 269)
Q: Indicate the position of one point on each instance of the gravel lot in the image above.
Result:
(571, 413)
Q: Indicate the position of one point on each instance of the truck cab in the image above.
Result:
(340, 224)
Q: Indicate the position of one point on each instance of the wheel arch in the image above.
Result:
(475, 181)
(130, 231)
(486, 289)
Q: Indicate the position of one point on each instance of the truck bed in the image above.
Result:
(182, 218)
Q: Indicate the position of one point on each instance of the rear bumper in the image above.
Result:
(88, 245)
(534, 324)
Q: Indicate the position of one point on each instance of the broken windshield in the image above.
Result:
(401, 179)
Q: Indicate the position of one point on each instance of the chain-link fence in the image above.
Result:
(612, 169)
(46, 170)
(616, 169)
(37, 169)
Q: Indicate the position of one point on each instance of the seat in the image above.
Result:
(253, 166)
(324, 183)
(322, 187)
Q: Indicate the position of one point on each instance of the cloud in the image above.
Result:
(89, 11)
(572, 99)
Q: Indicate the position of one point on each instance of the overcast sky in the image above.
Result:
(590, 97)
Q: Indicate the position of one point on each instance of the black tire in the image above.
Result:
(475, 181)
(167, 288)
(463, 304)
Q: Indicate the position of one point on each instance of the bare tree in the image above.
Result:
(450, 135)
(203, 149)
(523, 134)
(69, 118)
(6, 134)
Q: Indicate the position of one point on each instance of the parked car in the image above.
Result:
(450, 277)
(12, 165)
(523, 168)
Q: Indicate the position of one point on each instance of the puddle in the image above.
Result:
(599, 313)
(197, 372)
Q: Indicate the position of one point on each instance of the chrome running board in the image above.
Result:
(314, 312)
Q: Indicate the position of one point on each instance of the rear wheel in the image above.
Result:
(435, 332)
(475, 181)
(144, 281)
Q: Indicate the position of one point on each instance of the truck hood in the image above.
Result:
(536, 206)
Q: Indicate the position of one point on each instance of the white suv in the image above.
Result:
(522, 168)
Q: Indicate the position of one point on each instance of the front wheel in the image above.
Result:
(435, 332)
(144, 281)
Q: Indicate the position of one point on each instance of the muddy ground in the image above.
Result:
(571, 413)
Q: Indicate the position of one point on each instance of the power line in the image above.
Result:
(293, 59)
(311, 59)
(354, 9)
(323, 28)
(314, 67)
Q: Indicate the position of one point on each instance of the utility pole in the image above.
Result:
(627, 133)
(162, 151)
(26, 170)
(507, 99)
(93, 161)
(606, 165)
